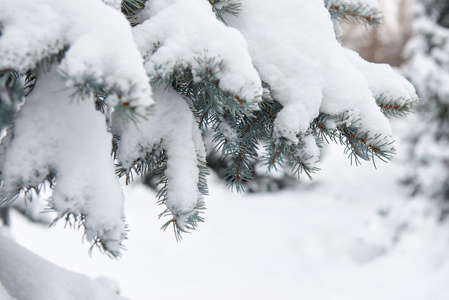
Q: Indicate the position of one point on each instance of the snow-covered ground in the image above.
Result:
(352, 234)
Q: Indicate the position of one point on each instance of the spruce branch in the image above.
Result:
(354, 12)
(97, 239)
(44, 65)
(11, 84)
(154, 164)
(222, 7)
(324, 127)
(204, 91)
(89, 85)
(209, 103)
(359, 144)
(131, 8)
(19, 85)
(192, 220)
(30, 81)
(73, 220)
(11, 94)
(27, 192)
(243, 149)
(194, 215)
(238, 124)
(101, 103)
(225, 134)
(396, 107)
(206, 71)
(15, 85)
(283, 151)
(202, 175)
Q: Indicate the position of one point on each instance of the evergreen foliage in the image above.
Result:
(354, 11)
(427, 68)
(160, 76)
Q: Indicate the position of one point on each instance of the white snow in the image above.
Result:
(56, 133)
(296, 53)
(171, 127)
(101, 50)
(4, 294)
(309, 72)
(350, 236)
(181, 34)
(353, 234)
(395, 87)
(26, 276)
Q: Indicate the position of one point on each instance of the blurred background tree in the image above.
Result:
(428, 68)
(415, 37)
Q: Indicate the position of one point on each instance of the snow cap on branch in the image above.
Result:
(100, 51)
(195, 41)
(66, 142)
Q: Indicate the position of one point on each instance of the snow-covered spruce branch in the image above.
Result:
(302, 154)
(427, 68)
(346, 129)
(154, 164)
(201, 85)
(148, 78)
(193, 216)
(222, 7)
(168, 143)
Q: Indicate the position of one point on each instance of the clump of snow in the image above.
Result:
(308, 150)
(26, 276)
(101, 51)
(311, 73)
(55, 134)
(26, 37)
(171, 127)
(186, 34)
(109, 283)
(396, 87)
(4, 294)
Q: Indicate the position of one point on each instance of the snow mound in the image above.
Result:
(26, 276)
